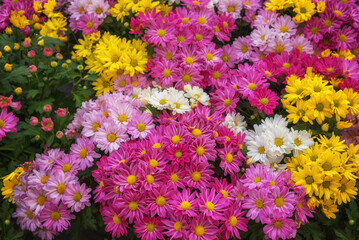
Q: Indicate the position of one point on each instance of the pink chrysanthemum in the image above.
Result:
(230, 160)
(199, 175)
(76, 196)
(265, 100)
(114, 223)
(202, 149)
(88, 23)
(159, 33)
(108, 137)
(55, 217)
(26, 218)
(132, 207)
(92, 122)
(140, 125)
(158, 201)
(201, 229)
(282, 200)
(149, 228)
(256, 177)
(126, 177)
(84, 152)
(67, 164)
(57, 184)
(279, 227)
(211, 204)
(185, 203)
(178, 154)
(165, 71)
(176, 226)
(345, 38)
(224, 100)
(234, 221)
(257, 204)
(7, 122)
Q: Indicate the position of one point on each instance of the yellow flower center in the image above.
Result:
(61, 188)
(198, 37)
(168, 56)
(2, 123)
(150, 179)
(55, 215)
(141, 127)
(209, 56)
(185, 205)
(153, 163)
(224, 193)
(89, 25)
(263, 101)
(278, 49)
(178, 226)
(122, 118)
(229, 157)
(327, 166)
(225, 58)
(178, 154)
(44, 179)
(328, 23)
(338, 13)
(77, 197)
(201, 20)
(303, 10)
(257, 179)
(232, 221)
(314, 30)
(279, 201)
(286, 65)
(244, 49)
(167, 73)
(189, 60)
(176, 139)
(251, 86)
(95, 126)
(209, 206)
(231, 9)
(41, 200)
(227, 102)
(196, 132)
(278, 142)
(196, 176)
(216, 75)
(174, 177)
(160, 201)
(200, 150)
(116, 220)
(83, 153)
(185, 20)
(66, 168)
(161, 33)
(199, 230)
(342, 38)
(150, 227)
(277, 224)
(157, 146)
(111, 137)
(133, 205)
(284, 29)
(131, 180)
(309, 179)
(29, 214)
(297, 142)
(261, 150)
(186, 78)
(259, 203)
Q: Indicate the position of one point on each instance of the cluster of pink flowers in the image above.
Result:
(8, 121)
(50, 190)
(273, 200)
(130, 85)
(86, 15)
(110, 120)
(166, 181)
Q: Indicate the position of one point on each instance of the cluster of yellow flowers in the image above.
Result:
(314, 99)
(110, 56)
(304, 9)
(10, 181)
(123, 7)
(328, 171)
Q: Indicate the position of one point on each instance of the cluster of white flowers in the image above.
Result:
(235, 122)
(172, 99)
(270, 141)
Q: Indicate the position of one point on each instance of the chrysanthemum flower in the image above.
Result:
(83, 150)
(232, 7)
(198, 176)
(76, 196)
(149, 228)
(7, 122)
(114, 223)
(211, 204)
(132, 207)
(57, 184)
(26, 218)
(67, 164)
(88, 23)
(202, 149)
(279, 227)
(55, 218)
(185, 203)
(159, 33)
(176, 226)
(265, 100)
(309, 177)
(225, 100)
(108, 137)
(234, 222)
(201, 229)
(127, 177)
(140, 125)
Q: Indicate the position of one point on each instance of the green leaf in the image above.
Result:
(342, 235)
(32, 93)
(50, 140)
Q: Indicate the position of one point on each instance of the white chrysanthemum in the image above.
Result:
(212, 3)
(301, 140)
(274, 163)
(159, 100)
(170, 2)
(235, 122)
(256, 148)
(196, 94)
(144, 95)
(177, 101)
(275, 122)
(278, 140)
(261, 36)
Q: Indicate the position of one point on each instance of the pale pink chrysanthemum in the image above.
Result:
(57, 184)
(55, 217)
(84, 152)
(108, 137)
(76, 196)
(140, 125)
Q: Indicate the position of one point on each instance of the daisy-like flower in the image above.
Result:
(76, 196)
(279, 227)
(199, 176)
(211, 204)
(165, 71)
(230, 161)
(176, 226)
(301, 140)
(313, 30)
(265, 100)
(235, 122)
(302, 210)
(7, 122)
(224, 100)
(178, 154)
(278, 45)
(55, 217)
(67, 164)
(149, 228)
(243, 47)
(26, 218)
(99, 7)
(132, 206)
(108, 137)
(262, 36)
(257, 204)
(284, 26)
(345, 38)
(232, 7)
(88, 23)
(57, 184)
(249, 84)
(159, 99)
(140, 125)
(160, 33)
(256, 148)
(127, 177)
(114, 223)
(84, 152)
(202, 149)
(36, 199)
(309, 177)
(196, 94)
(278, 141)
(92, 122)
(283, 200)
(185, 203)
(158, 201)
(122, 114)
(200, 229)
(256, 177)
(178, 103)
(302, 44)
(234, 222)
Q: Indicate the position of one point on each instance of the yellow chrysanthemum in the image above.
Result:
(353, 99)
(333, 143)
(299, 112)
(275, 5)
(346, 191)
(309, 177)
(134, 62)
(148, 5)
(119, 11)
(329, 187)
(103, 85)
(10, 181)
(84, 48)
(329, 208)
(18, 19)
(295, 89)
(304, 9)
(339, 104)
(319, 108)
(329, 162)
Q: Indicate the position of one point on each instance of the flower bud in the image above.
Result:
(34, 121)
(48, 52)
(32, 69)
(18, 90)
(8, 31)
(61, 112)
(26, 44)
(7, 48)
(59, 134)
(47, 108)
(37, 137)
(31, 54)
(59, 56)
(53, 64)
(8, 67)
(7, 221)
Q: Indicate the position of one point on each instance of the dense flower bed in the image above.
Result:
(179, 119)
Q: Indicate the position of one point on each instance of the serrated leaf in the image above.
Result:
(342, 235)
(50, 140)
(32, 93)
